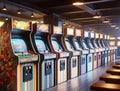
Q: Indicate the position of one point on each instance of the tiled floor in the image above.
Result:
(83, 82)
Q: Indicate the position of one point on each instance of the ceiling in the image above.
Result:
(83, 15)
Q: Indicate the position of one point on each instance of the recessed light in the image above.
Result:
(78, 3)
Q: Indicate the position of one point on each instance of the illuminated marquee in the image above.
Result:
(43, 27)
(78, 32)
(86, 34)
(92, 35)
(23, 25)
(70, 31)
(105, 36)
(96, 35)
(57, 30)
(101, 35)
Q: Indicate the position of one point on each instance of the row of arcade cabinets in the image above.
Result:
(41, 56)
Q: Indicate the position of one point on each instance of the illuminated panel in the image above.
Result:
(20, 25)
(118, 43)
(92, 35)
(96, 35)
(112, 43)
(101, 35)
(43, 27)
(57, 30)
(86, 34)
(118, 37)
(108, 37)
(78, 32)
(19, 46)
(105, 36)
(70, 31)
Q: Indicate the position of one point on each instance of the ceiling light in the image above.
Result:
(97, 15)
(78, 3)
(19, 12)
(6, 18)
(113, 25)
(116, 27)
(4, 8)
(32, 15)
(106, 20)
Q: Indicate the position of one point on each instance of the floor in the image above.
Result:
(83, 82)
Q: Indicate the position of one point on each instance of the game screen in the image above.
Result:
(55, 44)
(19, 46)
(95, 43)
(90, 44)
(40, 45)
(69, 46)
(77, 45)
(84, 45)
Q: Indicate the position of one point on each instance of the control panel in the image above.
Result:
(74, 62)
(27, 73)
(89, 59)
(83, 60)
(62, 65)
(48, 68)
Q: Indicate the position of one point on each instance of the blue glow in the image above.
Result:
(40, 45)
(55, 45)
(19, 46)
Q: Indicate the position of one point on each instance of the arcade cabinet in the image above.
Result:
(118, 48)
(103, 52)
(106, 49)
(68, 34)
(18, 69)
(109, 51)
(78, 46)
(113, 45)
(85, 44)
(61, 67)
(92, 46)
(97, 49)
(46, 63)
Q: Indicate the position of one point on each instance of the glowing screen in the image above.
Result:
(55, 45)
(84, 45)
(43, 27)
(69, 46)
(19, 46)
(70, 31)
(40, 45)
(77, 45)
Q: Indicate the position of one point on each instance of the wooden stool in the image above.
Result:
(110, 78)
(100, 86)
(118, 63)
(116, 66)
(113, 71)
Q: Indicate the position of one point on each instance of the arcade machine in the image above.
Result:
(103, 52)
(62, 60)
(97, 49)
(78, 46)
(19, 60)
(112, 44)
(91, 44)
(86, 46)
(46, 63)
(106, 49)
(68, 34)
(118, 48)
